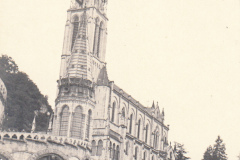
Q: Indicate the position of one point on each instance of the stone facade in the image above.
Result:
(3, 99)
(35, 146)
(93, 117)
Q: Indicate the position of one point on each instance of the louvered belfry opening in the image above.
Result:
(100, 30)
(78, 123)
(96, 35)
(64, 121)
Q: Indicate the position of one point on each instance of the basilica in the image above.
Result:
(94, 118)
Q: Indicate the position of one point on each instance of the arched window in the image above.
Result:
(130, 123)
(75, 29)
(64, 121)
(89, 119)
(156, 139)
(96, 34)
(114, 151)
(99, 148)
(77, 124)
(139, 128)
(100, 37)
(152, 157)
(117, 153)
(94, 148)
(113, 111)
(50, 157)
(144, 155)
(146, 134)
(127, 148)
(123, 112)
(136, 153)
(110, 150)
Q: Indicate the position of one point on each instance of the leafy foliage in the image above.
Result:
(8, 65)
(23, 98)
(42, 119)
(180, 152)
(217, 152)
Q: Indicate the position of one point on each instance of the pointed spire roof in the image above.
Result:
(153, 105)
(77, 65)
(163, 112)
(103, 77)
(157, 112)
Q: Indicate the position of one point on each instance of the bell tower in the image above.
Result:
(83, 57)
(84, 45)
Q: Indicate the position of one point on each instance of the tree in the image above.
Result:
(180, 152)
(208, 154)
(7, 65)
(217, 152)
(23, 98)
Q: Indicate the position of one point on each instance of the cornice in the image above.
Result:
(115, 135)
(72, 100)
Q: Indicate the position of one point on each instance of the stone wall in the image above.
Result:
(31, 146)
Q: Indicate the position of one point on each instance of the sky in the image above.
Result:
(183, 54)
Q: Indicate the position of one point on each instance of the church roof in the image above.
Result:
(153, 111)
(103, 77)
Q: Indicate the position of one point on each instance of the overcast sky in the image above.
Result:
(185, 54)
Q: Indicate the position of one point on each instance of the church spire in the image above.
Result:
(153, 105)
(79, 60)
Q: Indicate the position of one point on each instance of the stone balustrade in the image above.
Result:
(44, 138)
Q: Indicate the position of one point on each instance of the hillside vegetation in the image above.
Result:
(23, 98)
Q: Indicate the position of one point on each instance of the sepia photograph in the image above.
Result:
(120, 80)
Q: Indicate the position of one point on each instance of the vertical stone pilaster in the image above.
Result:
(57, 124)
(63, 66)
(151, 133)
